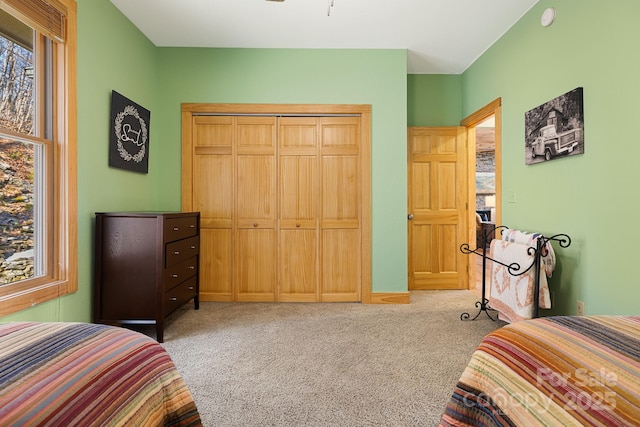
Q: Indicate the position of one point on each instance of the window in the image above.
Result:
(38, 206)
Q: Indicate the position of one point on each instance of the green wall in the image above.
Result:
(434, 99)
(592, 197)
(114, 55)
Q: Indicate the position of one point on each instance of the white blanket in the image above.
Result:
(531, 239)
(512, 295)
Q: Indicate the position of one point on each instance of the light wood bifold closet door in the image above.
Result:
(281, 204)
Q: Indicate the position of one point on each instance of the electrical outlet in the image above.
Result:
(579, 308)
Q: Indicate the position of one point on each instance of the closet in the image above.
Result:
(280, 191)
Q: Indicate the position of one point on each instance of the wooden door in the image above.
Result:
(284, 196)
(319, 209)
(340, 221)
(213, 195)
(255, 236)
(298, 237)
(437, 207)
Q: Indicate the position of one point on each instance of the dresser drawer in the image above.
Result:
(181, 250)
(180, 228)
(179, 295)
(180, 272)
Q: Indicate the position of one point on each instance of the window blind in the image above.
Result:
(15, 30)
(45, 16)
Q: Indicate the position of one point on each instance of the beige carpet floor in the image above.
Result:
(316, 364)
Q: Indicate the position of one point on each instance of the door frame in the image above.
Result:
(188, 110)
(470, 122)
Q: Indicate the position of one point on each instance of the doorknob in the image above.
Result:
(410, 216)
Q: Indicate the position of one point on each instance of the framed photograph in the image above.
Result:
(129, 136)
(555, 129)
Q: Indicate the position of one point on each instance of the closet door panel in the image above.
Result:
(340, 209)
(298, 191)
(216, 249)
(256, 201)
(298, 266)
(256, 172)
(298, 229)
(298, 135)
(340, 265)
(213, 190)
(255, 222)
(213, 131)
(254, 133)
(340, 135)
(256, 261)
(213, 197)
(298, 209)
(298, 172)
(340, 191)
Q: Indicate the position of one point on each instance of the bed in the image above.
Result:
(552, 371)
(66, 374)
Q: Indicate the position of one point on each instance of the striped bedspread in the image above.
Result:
(80, 374)
(553, 371)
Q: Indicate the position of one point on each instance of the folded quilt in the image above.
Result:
(531, 239)
(512, 296)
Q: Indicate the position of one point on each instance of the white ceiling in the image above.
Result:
(441, 36)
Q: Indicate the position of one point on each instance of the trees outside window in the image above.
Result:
(16, 157)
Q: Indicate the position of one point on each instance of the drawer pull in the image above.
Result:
(193, 247)
(176, 252)
(192, 267)
(255, 224)
(192, 226)
(297, 225)
(191, 288)
(175, 229)
(174, 299)
(175, 276)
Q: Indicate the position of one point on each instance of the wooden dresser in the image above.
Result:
(146, 266)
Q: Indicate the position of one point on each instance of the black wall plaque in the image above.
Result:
(129, 135)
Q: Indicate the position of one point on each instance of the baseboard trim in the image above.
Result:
(389, 298)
